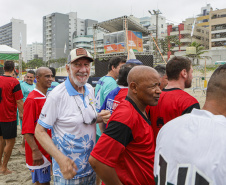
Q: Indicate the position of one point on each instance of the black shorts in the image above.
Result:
(8, 129)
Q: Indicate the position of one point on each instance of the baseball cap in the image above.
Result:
(134, 61)
(79, 53)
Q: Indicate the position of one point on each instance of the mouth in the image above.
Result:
(81, 75)
(157, 98)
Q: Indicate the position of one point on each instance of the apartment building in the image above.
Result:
(150, 24)
(182, 33)
(84, 35)
(72, 28)
(203, 18)
(217, 29)
(14, 34)
(55, 35)
(60, 30)
(34, 50)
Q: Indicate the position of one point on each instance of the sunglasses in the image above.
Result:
(94, 119)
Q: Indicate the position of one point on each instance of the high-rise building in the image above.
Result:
(34, 50)
(72, 28)
(55, 36)
(59, 30)
(203, 18)
(217, 29)
(150, 24)
(14, 34)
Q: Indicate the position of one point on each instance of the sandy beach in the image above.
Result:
(22, 176)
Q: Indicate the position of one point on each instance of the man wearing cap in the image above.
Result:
(71, 114)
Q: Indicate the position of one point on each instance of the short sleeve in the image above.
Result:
(17, 91)
(112, 143)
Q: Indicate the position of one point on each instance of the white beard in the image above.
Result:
(79, 84)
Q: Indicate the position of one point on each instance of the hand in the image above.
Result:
(105, 115)
(21, 116)
(67, 167)
(37, 158)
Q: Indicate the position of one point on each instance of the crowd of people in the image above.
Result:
(138, 126)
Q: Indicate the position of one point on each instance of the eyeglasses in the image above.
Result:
(94, 119)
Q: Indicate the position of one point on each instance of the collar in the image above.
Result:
(71, 90)
(39, 92)
(172, 89)
(6, 76)
(123, 87)
(137, 109)
(28, 83)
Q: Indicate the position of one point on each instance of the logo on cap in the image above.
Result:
(81, 51)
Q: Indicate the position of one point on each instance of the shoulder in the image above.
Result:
(175, 125)
(187, 97)
(124, 112)
(89, 86)
(58, 91)
(114, 91)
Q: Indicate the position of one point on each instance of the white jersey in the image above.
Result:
(191, 150)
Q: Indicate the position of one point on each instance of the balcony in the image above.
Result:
(187, 40)
(174, 33)
(218, 31)
(185, 32)
(218, 39)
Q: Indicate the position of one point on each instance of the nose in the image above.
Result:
(158, 90)
(82, 68)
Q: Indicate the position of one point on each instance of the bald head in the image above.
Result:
(216, 89)
(41, 70)
(44, 78)
(144, 85)
(140, 73)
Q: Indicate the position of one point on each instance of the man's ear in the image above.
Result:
(67, 68)
(133, 87)
(37, 78)
(184, 73)
(112, 68)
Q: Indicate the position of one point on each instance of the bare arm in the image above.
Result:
(20, 104)
(36, 153)
(106, 173)
(67, 166)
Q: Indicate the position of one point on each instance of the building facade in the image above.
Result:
(62, 33)
(55, 36)
(34, 50)
(150, 24)
(14, 34)
(179, 37)
(217, 29)
(204, 17)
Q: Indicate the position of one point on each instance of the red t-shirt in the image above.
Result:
(32, 109)
(172, 103)
(10, 91)
(128, 145)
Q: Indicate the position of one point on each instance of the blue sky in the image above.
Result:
(32, 11)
